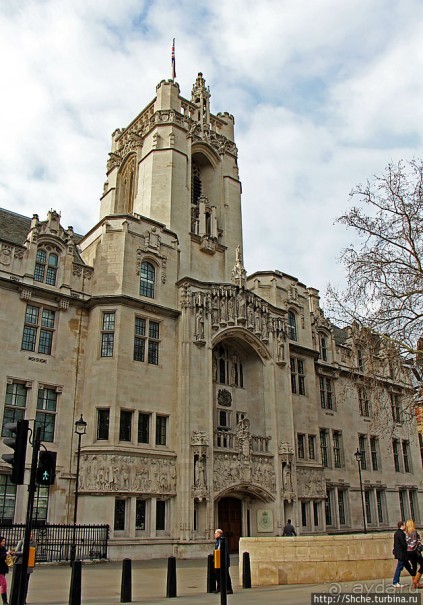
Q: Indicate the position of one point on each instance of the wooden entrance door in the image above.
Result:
(230, 521)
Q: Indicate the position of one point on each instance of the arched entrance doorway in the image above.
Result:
(229, 514)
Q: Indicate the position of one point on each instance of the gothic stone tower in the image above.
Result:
(176, 163)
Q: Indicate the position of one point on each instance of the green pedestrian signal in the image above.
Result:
(46, 470)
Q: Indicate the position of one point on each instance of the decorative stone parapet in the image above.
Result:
(311, 559)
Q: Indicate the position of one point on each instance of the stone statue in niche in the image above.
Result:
(280, 348)
(241, 305)
(200, 472)
(215, 310)
(199, 328)
(223, 309)
(250, 315)
(287, 476)
(257, 321)
(264, 327)
(231, 309)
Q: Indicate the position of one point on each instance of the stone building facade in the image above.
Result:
(211, 398)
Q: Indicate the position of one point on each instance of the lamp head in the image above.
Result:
(358, 455)
(80, 426)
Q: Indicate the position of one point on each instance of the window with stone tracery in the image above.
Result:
(126, 186)
(46, 264)
(292, 325)
(229, 368)
(196, 190)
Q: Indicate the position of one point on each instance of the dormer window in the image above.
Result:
(46, 267)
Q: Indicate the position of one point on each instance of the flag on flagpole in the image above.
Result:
(173, 60)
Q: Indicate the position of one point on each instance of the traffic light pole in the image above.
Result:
(21, 593)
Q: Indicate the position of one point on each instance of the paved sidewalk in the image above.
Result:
(101, 584)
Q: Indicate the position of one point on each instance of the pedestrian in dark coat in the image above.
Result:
(400, 553)
(218, 534)
(289, 529)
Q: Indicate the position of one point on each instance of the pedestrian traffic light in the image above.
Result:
(46, 470)
(18, 442)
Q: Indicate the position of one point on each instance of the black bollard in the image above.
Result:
(16, 580)
(126, 583)
(171, 578)
(211, 575)
(75, 585)
(246, 570)
(223, 572)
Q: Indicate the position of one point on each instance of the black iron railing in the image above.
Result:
(54, 542)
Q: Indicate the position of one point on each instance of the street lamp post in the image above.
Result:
(358, 456)
(80, 429)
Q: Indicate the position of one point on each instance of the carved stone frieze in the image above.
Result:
(127, 473)
(230, 469)
(311, 483)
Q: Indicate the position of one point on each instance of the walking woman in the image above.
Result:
(4, 569)
(413, 554)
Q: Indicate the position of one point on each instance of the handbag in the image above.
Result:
(9, 560)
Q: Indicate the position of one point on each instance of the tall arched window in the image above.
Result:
(196, 191)
(196, 188)
(292, 325)
(46, 267)
(323, 347)
(126, 189)
(148, 276)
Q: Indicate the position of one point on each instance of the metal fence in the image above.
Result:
(54, 542)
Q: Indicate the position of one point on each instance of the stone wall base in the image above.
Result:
(309, 559)
(126, 549)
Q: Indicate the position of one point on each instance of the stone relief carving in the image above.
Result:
(311, 483)
(242, 464)
(230, 469)
(199, 438)
(6, 254)
(224, 398)
(227, 306)
(125, 473)
(129, 143)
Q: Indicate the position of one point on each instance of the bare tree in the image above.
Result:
(384, 292)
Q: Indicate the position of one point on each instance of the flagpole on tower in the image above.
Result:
(173, 61)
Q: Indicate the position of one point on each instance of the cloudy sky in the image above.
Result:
(325, 93)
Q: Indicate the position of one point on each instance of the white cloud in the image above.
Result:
(324, 93)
